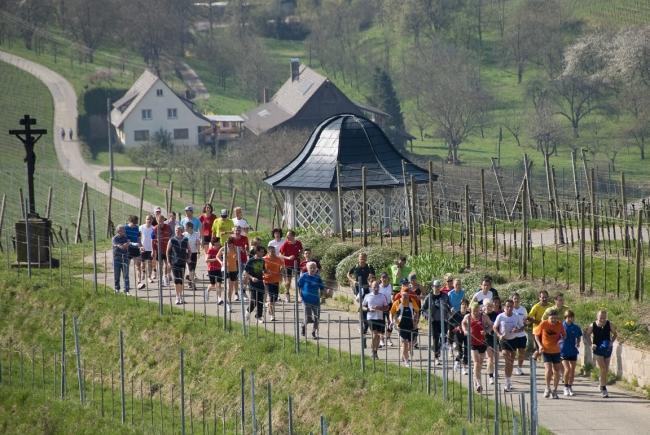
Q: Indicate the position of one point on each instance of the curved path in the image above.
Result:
(68, 151)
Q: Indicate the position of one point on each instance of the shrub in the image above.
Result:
(430, 266)
(334, 254)
(378, 257)
(317, 243)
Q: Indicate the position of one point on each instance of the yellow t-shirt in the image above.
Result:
(537, 312)
(222, 226)
(560, 311)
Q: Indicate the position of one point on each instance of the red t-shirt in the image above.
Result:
(242, 244)
(206, 224)
(165, 235)
(213, 265)
(303, 265)
(288, 249)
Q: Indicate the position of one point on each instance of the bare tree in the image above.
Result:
(266, 152)
(90, 22)
(189, 163)
(577, 97)
(513, 122)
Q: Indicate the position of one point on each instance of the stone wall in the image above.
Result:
(628, 362)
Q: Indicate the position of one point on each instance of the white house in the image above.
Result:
(151, 105)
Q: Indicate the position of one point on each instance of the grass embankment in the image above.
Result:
(21, 94)
(30, 317)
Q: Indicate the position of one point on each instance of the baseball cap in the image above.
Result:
(437, 283)
(404, 281)
(189, 208)
(224, 212)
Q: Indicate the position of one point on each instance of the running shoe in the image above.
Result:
(571, 393)
(604, 393)
(547, 393)
(219, 301)
(554, 395)
(150, 280)
(272, 318)
(178, 301)
(456, 366)
(141, 285)
(507, 387)
(518, 371)
(407, 363)
(479, 388)
(566, 391)
(438, 362)
(165, 282)
(229, 308)
(382, 343)
(390, 343)
(491, 380)
(260, 320)
(314, 335)
(236, 298)
(465, 371)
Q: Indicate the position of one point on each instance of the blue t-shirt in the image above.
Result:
(132, 233)
(195, 222)
(455, 298)
(309, 288)
(573, 334)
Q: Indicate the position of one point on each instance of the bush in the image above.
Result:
(472, 282)
(334, 254)
(430, 266)
(317, 243)
(378, 257)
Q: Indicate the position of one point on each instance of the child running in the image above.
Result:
(569, 351)
(214, 270)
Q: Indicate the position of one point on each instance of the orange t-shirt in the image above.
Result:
(273, 268)
(550, 335)
(231, 260)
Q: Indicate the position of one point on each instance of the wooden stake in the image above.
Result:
(415, 230)
(624, 216)
(77, 231)
(211, 196)
(2, 216)
(109, 210)
(339, 198)
(88, 219)
(432, 235)
(524, 232)
(142, 181)
(232, 200)
(582, 248)
(503, 201)
(483, 213)
(48, 208)
(171, 195)
(257, 208)
(575, 178)
(639, 252)
(558, 214)
(467, 229)
(364, 208)
(595, 238)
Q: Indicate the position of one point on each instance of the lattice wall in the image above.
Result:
(314, 210)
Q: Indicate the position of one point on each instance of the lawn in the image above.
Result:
(213, 359)
(28, 95)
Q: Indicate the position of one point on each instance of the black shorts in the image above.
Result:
(192, 263)
(569, 358)
(146, 255)
(216, 276)
(233, 276)
(134, 251)
(520, 342)
(289, 271)
(207, 240)
(177, 270)
(509, 345)
(377, 325)
(480, 348)
(553, 358)
(274, 291)
(408, 334)
(162, 257)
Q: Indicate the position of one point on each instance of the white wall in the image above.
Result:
(159, 105)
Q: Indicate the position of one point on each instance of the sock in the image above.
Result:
(566, 385)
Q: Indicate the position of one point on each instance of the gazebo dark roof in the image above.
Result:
(352, 141)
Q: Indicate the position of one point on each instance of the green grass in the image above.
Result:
(28, 95)
(31, 314)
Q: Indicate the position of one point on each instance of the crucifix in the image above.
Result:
(29, 137)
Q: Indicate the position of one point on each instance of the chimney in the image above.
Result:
(265, 95)
(295, 69)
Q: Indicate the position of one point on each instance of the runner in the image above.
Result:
(360, 276)
(405, 315)
(276, 239)
(498, 308)
(215, 274)
(121, 245)
(222, 226)
(178, 252)
(436, 310)
(399, 271)
(548, 335)
(521, 337)
(311, 285)
(448, 282)
(485, 292)
(157, 218)
(189, 217)
(207, 219)
(536, 313)
(415, 287)
(171, 221)
(602, 334)
(241, 243)
(239, 221)
(231, 271)
(306, 258)
(132, 231)
(376, 304)
(386, 289)
(194, 245)
(146, 237)
(162, 234)
(569, 351)
(290, 251)
(476, 324)
(506, 327)
(273, 266)
(559, 306)
(254, 276)
(255, 242)
(490, 339)
(457, 337)
(456, 294)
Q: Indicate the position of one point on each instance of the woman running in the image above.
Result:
(228, 257)
(476, 324)
(602, 334)
(207, 219)
(569, 351)
(147, 236)
(404, 313)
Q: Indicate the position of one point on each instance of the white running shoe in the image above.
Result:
(165, 282)
(272, 318)
(456, 366)
(507, 387)
(465, 371)
(547, 393)
(219, 301)
(491, 381)
(571, 393)
(382, 343)
(518, 371)
(566, 391)
(228, 308)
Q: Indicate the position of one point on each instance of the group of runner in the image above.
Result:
(480, 325)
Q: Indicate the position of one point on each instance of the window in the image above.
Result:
(159, 92)
(141, 135)
(146, 114)
(181, 133)
(171, 114)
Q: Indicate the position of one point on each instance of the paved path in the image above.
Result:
(65, 116)
(191, 80)
(586, 413)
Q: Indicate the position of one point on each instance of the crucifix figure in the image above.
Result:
(29, 137)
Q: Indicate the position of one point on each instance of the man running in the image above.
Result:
(194, 245)
(228, 257)
(215, 274)
(405, 315)
(506, 327)
(456, 294)
(254, 275)
(222, 226)
(178, 252)
(290, 251)
(189, 217)
(436, 310)
(485, 292)
(521, 338)
(146, 237)
(548, 335)
(602, 334)
(399, 271)
(132, 231)
(559, 307)
(386, 289)
(273, 273)
(375, 304)
(311, 285)
(162, 233)
(239, 221)
(360, 276)
(306, 258)
(241, 243)
(476, 324)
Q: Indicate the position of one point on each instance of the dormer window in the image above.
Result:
(159, 92)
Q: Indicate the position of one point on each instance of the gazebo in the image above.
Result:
(309, 182)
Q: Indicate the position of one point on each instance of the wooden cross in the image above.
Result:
(29, 137)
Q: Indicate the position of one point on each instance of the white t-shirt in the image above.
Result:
(146, 237)
(276, 244)
(522, 313)
(375, 301)
(505, 325)
(480, 296)
(387, 291)
(241, 223)
(193, 241)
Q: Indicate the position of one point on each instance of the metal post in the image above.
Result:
(160, 269)
(470, 374)
(63, 380)
(253, 413)
(110, 142)
(94, 256)
(533, 397)
(29, 254)
(78, 352)
(445, 374)
(290, 416)
(122, 390)
(182, 417)
(270, 405)
(241, 398)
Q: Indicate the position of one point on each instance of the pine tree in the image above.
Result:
(385, 98)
